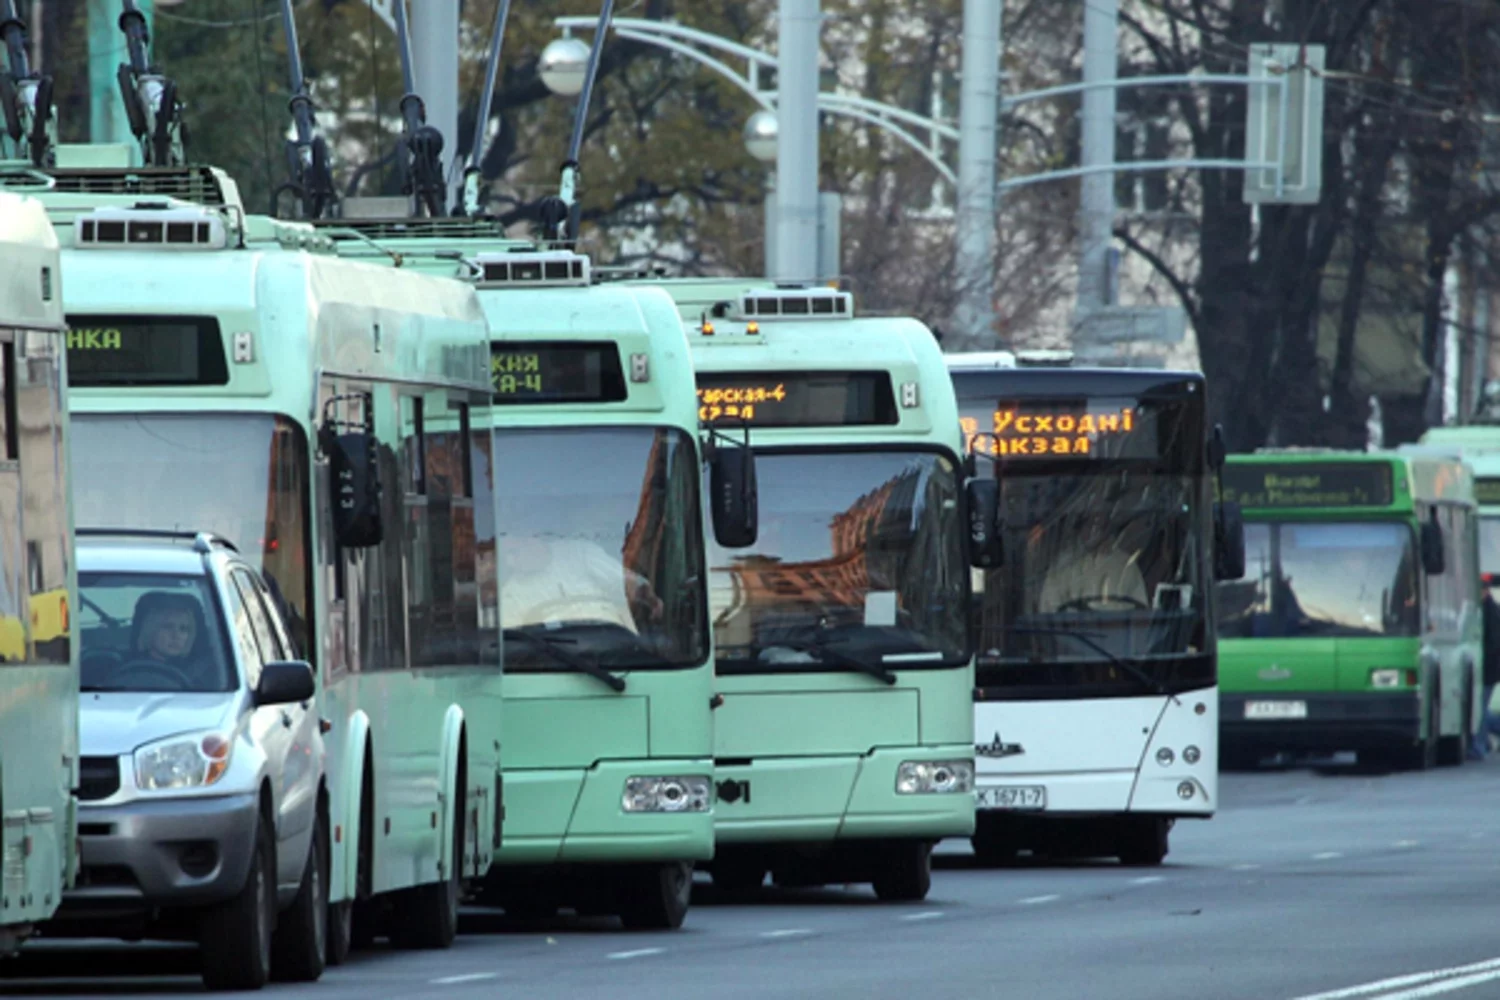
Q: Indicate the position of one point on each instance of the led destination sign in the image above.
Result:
(796, 399)
(1026, 430)
(1362, 484)
(556, 373)
(145, 350)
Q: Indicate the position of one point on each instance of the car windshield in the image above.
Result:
(147, 471)
(1325, 579)
(151, 632)
(858, 548)
(601, 547)
(1113, 554)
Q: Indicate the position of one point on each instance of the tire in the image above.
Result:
(235, 935)
(994, 848)
(1142, 842)
(426, 916)
(340, 931)
(656, 897)
(905, 873)
(300, 946)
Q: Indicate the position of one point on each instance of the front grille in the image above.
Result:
(98, 778)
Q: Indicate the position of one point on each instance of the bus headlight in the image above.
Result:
(1388, 677)
(196, 760)
(1191, 754)
(924, 777)
(1165, 756)
(672, 794)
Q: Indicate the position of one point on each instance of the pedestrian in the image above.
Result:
(1488, 723)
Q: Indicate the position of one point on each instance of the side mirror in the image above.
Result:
(353, 466)
(1229, 541)
(986, 548)
(1432, 547)
(284, 682)
(732, 497)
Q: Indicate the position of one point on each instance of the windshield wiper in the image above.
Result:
(1151, 683)
(824, 649)
(562, 656)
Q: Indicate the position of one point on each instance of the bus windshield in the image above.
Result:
(1489, 543)
(242, 476)
(1099, 564)
(601, 548)
(859, 555)
(1323, 579)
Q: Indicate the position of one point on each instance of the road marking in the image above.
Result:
(1327, 856)
(472, 977)
(1443, 986)
(926, 915)
(1437, 977)
(1029, 900)
(1245, 868)
(1146, 880)
(1405, 843)
(785, 932)
(637, 953)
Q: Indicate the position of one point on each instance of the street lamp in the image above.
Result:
(563, 66)
(760, 136)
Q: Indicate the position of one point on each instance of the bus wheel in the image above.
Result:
(340, 931)
(1453, 749)
(738, 876)
(1141, 841)
(993, 846)
(299, 948)
(656, 897)
(426, 916)
(905, 872)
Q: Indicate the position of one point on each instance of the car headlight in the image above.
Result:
(672, 794)
(923, 777)
(194, 760)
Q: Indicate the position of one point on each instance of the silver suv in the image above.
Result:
(202, 809)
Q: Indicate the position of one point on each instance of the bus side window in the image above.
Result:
(34, 408)
(13, 623)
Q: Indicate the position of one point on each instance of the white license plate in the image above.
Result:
(1275, 709)
(1012, 797)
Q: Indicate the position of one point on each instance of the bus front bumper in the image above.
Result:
(577, 815)
(1318, 721)
(827, 798)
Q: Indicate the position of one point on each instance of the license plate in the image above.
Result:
(1275, 709)
(1012, 797)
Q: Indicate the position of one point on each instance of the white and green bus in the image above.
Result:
(844, 733)
(330, 419)
(609, 676)
(38, 590)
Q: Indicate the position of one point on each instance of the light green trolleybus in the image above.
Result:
(330, 419)
(609, 677)
(38, 591)
(1478, 445)
(844, 736)
(1357, 623)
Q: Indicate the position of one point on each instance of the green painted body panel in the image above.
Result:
(1445, 657)
(820, 749)
(570, 742)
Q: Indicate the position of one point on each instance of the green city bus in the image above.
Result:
(38, 582)
(330, 419)
(608, 653)
(1357, 623)
(1478, 445)
(844, 733)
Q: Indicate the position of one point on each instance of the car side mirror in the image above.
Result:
(284, 682)
(1433, 562)
(733, 496)
(1229, 541)
(353, 466)
(986, 548)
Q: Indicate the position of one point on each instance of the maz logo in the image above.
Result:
(730, 790)
(997, 748)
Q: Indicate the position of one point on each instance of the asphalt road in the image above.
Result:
(1310, 883)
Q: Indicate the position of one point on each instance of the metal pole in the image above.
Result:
(107, 121)
(434, 43)
(797, 142)
(979, 105)
(1096, 210)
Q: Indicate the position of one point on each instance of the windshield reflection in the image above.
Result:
(858, 549)
(1323, 580)
(1489, 543)
(150, 632)
(601, 546)
(1112, 555)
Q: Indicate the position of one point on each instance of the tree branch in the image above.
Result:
(1160, 266)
